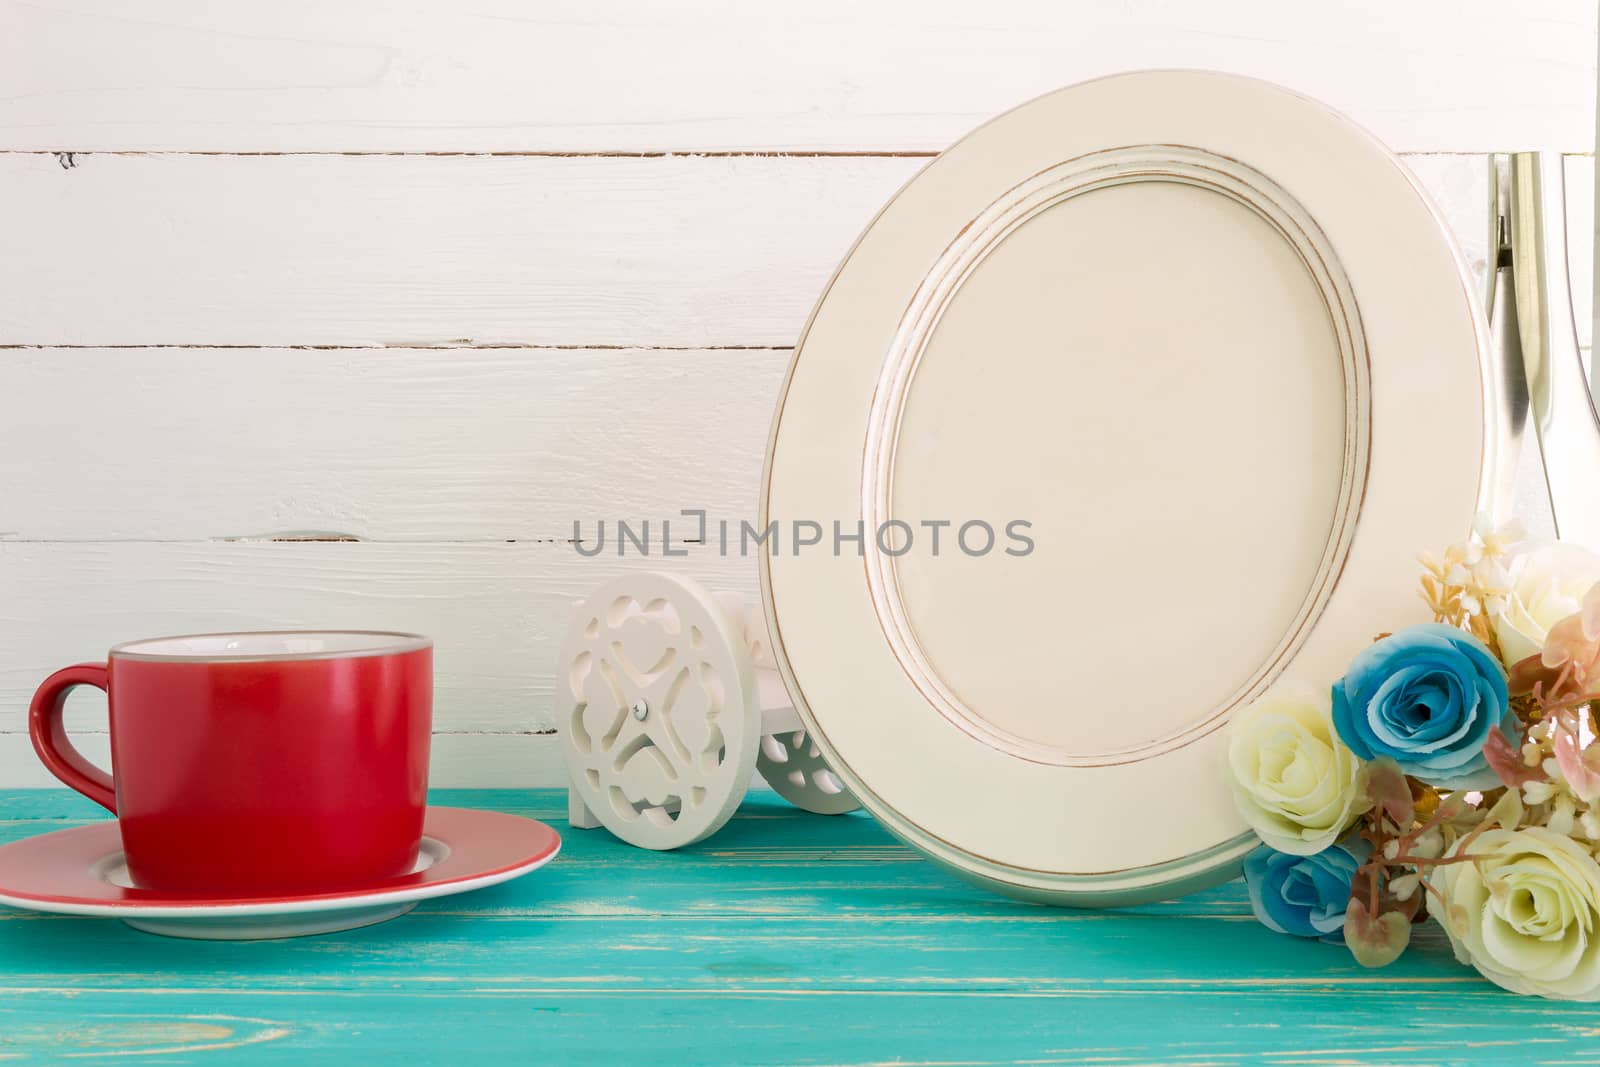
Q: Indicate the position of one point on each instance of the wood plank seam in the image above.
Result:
(420, 346)
(68, 157)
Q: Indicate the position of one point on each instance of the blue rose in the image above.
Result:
(1427, 698)
(1304, 895)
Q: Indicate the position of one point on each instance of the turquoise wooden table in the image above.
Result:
(786, 939)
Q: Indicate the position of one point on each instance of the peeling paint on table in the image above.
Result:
(786, 939)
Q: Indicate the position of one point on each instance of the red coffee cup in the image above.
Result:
(257, 763)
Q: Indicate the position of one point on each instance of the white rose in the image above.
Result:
(1526, 912)
(1547, 585)
(1294, 781)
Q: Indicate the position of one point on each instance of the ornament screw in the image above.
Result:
(641, 710)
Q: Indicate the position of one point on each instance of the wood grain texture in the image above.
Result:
(787, 939)
(497, 613)
(601, 229)
(467, 449)
(371, 250)
(383, 444)
(630, 75)
(368, 251)
(520, 759)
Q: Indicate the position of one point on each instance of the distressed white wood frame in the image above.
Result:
(443, 280)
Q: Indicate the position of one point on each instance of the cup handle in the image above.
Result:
(50, 738)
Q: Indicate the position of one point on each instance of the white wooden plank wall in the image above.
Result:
(443, 278)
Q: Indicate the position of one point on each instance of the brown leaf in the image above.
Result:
(1527, 674)
(1424, 800)
(1375, 941)
(1389, 791)
(1506, 759)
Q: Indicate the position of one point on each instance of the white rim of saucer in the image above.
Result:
(356, 899)
(265, 646)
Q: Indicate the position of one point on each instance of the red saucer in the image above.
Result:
(81, 872)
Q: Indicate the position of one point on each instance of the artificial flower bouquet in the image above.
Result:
(1453, 772)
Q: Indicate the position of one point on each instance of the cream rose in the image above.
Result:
(1294, 781)
(1547, 585)
(1526, 912)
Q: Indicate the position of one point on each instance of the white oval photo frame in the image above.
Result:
(1054, 733)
